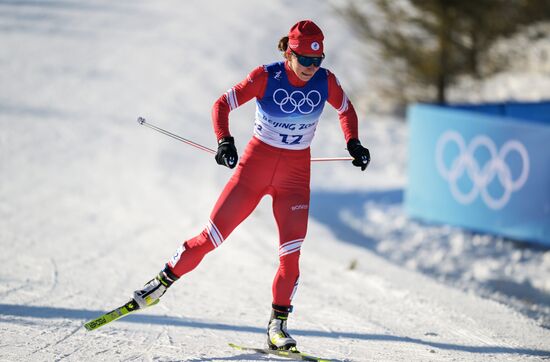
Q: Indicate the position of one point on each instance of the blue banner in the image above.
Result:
(480, 171)
(519, 111)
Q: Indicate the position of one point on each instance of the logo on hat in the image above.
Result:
(315, 46)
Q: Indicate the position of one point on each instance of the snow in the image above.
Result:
(92, 204)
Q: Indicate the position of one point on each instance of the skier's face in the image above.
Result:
(305, 73)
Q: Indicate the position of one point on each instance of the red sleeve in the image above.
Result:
(346, 113)
(252, 86)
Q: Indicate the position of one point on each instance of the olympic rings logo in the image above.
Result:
(481, 177)
(297, 100)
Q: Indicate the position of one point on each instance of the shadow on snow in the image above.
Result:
(83, 314)
(326, 206)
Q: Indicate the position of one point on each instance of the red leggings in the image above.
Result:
(263, 169)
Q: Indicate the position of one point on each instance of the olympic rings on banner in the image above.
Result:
(481, 177)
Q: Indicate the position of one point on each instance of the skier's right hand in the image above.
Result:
(227, 152)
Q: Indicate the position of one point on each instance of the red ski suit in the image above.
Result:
(265, 169)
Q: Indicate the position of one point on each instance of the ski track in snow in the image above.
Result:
(92, 205)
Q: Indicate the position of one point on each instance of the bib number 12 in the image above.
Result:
(291, 139)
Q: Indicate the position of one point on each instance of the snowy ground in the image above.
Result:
(91, 204)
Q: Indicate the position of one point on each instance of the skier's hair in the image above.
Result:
(283, 44)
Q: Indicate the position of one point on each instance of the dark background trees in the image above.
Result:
(428, 44)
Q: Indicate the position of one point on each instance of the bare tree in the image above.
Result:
(430, 43)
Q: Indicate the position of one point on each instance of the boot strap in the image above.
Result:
(282, 309)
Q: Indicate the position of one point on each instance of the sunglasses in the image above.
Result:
(307, 61)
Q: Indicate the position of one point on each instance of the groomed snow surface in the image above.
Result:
(92, 204)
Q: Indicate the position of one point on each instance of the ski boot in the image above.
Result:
(278, 337)
(155, 288)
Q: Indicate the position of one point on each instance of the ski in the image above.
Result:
(293, 354)
(115, 314)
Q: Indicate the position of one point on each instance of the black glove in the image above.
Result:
(227, 153)
(361, 155)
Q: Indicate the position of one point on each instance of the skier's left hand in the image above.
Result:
(360, 154)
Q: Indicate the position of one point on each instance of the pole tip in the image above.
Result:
(141, 120)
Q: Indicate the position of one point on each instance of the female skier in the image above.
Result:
(290, 96)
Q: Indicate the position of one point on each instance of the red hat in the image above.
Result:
(305, 37)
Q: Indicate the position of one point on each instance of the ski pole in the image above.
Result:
(320, 159)
(143, 122)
